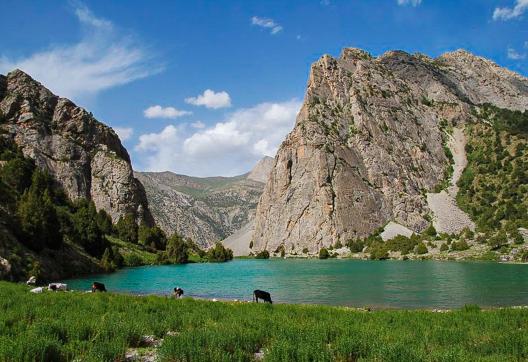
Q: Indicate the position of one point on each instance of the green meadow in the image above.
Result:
(66, 326)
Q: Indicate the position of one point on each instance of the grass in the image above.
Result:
(100, 327)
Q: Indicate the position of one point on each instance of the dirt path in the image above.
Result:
(447, 216)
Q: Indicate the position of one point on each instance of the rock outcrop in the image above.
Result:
(207, 209)
(368, 144)
(83, 155)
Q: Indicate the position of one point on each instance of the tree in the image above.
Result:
(219, 253)
(177, 251)
(38, 219)
(420, 249)
(324, 254)
(356, 246)
(17, 173)
(86, 230)
(152, 237)
(127, 229)
(104, 222)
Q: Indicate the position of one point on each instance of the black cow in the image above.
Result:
(96, 286)
(178, 292)
(260, 294)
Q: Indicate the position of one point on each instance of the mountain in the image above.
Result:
(83, 155)
(381, 141)
(204, 209)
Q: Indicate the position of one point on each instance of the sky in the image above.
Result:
(208, 88)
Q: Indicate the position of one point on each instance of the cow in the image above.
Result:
(96, 286)
(178, 292)
(260, 294)
(32, 280)
(58, 287)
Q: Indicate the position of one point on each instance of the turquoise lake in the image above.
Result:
(386, 284)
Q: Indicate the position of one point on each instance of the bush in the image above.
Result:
(264, 254)
(421, 249)
(324, 254)
(459, 245)
(177, 251)
(444, 247)
(356, 246)
(498, 240)
(430, 231)
(338, 245)
(219, 253)
(378, 251)
(305, 250)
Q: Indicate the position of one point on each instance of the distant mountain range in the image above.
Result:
(204, 209)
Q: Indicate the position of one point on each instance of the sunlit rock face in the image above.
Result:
(367, 145)
(84, 156)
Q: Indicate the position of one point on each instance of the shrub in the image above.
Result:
(305, 250)
(420, 249)
(459, 245)
(324, 254)
(264, 254)
(338, 245)
(430, 231)
(378, 251)
(356, 246)
(444, 247)
(498, 240)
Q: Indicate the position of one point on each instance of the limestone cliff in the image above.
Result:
(83, 155)
(368, 143)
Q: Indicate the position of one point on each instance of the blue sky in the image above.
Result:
(209, 87)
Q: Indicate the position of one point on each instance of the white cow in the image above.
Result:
(32, 280)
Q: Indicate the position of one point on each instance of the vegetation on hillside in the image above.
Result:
(35, 211)
(494, 185)
(55, 327)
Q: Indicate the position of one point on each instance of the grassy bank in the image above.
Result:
(101, 327)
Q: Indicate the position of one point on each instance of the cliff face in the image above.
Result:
(367, 145)
(83, 155)
(207, 209)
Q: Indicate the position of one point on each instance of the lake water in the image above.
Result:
(385, 284)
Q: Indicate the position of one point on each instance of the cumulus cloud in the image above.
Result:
(229, 147)
(211, 99)
(266, 23)
(124, 133)
(515, 55)
(158, 111)
(511, 13)
(101, 59)
(198, 124)
(409, 2)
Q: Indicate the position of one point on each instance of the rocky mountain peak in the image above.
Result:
(368, 143)
(85, 156)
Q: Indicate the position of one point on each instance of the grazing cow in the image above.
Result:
(58, 286)
(260, 294)
(178, 292)
(96, 286)
(32, 280)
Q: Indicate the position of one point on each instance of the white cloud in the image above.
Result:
(515, 55)
(103, 58)
(267, 24)
(227, 148)
(211, 99)
(198, 124)
(409, 2)
(124, 133)
(511, 13)
(158, 111)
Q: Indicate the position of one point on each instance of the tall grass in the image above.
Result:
(100, 327)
